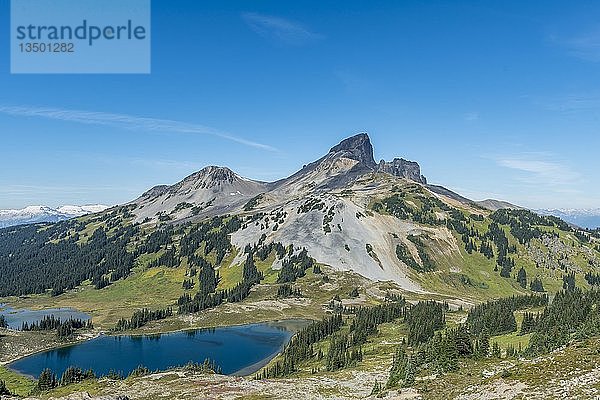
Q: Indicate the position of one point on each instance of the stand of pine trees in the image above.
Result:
(522, 278)
(214, 234)
(569, 281)
(441, 353)
(300, 347)
(423, 319)
(340, 353)
(75, 375)
(64, 329)
(295, 267)
(287, 290)
(404, 255)
(34, 260)
(530, 322)
(345, 349)
(397, 206)
(573, 314)
(592, 279)
(536, 285)
(367, 319)
(141, 318)
(497, 317)
(205, 299)
(48, 380)
(524, 223)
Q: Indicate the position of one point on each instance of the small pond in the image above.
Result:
(15, 318)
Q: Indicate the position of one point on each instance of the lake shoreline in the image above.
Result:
(257, 366)
(214, 326)
(32, 353)
(292, 325)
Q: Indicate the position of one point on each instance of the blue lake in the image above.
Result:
(236, 350)
(15, 318)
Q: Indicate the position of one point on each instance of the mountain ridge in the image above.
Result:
(39, 214)
(380, 220)
(337, 219)
(219, 189)
(584, 218)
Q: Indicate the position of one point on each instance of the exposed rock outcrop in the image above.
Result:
(403, 169)
(357, 147)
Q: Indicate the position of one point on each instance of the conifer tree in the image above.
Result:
(47, 380)
(536, 285)
(3, 389)
(522, 277)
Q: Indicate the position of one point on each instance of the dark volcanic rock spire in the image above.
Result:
(357, 147)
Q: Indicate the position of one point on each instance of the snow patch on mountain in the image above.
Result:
(585, 218)
(39, 214)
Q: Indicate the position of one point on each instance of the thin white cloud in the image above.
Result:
(585, 45)
(543, 172)
(124, 121)
(280, 29)
(471, 116)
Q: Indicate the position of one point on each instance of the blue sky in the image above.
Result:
(493, 99)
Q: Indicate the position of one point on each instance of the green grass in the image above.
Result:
(270, 275)
(230, 274)
(151, 288)
(16, 383)
(484, 284)
(512, 339)
(90, 386)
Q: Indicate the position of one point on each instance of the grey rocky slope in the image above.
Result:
(212, 190)
(324, 207)
(494, 205)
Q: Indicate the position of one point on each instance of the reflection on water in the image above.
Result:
(64, 352)
(232, 348)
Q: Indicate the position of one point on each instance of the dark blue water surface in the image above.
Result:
(234, 348)
(15, 318)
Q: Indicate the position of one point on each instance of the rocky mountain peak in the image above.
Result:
(403, 169)
(357, 147)
(214, 173)
(208, 177)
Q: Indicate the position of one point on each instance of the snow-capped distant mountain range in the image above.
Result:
(37, 214)
(589, 218)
